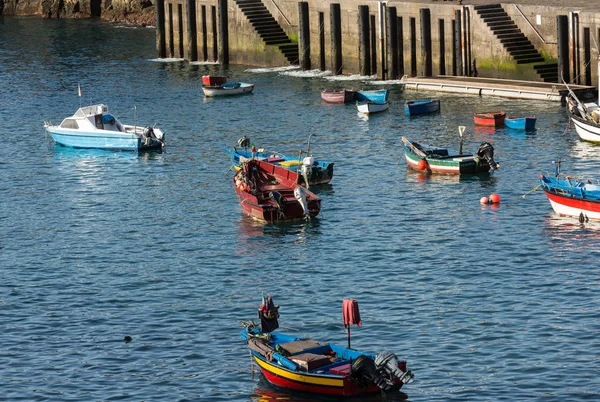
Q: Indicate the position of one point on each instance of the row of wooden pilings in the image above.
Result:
(390, 25)
(391, 47)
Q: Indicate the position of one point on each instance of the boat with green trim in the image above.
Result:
(441, 160)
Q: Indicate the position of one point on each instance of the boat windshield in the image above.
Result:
(69, 123)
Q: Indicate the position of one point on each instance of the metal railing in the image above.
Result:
(282, 14)
(532, 27)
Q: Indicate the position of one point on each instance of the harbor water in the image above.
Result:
(485, 302)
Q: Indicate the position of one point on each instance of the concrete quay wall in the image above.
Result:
(195, 30)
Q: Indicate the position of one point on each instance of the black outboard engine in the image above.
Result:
(365, 372)
(387, 365)
(244, 142)
(486, 152)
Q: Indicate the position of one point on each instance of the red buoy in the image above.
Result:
(423, 165)
(495, 198)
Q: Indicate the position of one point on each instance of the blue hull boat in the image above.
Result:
(379, 95)
(95, 127)
(311, 170)
(421, 106)
(520, 123)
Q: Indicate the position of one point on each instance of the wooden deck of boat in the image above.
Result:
(550, 91)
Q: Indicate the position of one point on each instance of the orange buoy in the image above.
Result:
(484, 201)
(495, 198)
(422, 165)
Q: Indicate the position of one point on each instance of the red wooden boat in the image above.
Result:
(271, 193)
(338, 95)
(493, 119)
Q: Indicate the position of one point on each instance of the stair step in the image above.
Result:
(515, 53)
(266, 26)
(504, 30)
(497, 18)
(526, 56)
(276, 41)
(507, 35)
(502, 24)
(543, 68)
(532, 60)
(487, 6)
(513, 41)
(520, 47)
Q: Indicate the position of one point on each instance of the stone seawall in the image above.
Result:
(391, 39)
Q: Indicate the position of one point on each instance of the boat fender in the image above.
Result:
(422, 165)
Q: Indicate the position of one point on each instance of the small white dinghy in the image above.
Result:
(370, 107)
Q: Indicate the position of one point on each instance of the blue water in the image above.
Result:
(486, 303)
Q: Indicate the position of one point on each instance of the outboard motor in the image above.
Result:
(300, 194)
(306, 168)
(486, 152)
(365, 372)
(387, 363)
(244, 142)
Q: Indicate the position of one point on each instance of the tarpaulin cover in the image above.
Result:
(350, 313)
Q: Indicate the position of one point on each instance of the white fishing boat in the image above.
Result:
(585, 116)
(369, 107)
(95, 127)
(232, 88)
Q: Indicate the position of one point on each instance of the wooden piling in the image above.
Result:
(442, 39)
(400, 42)
(192, 34)
(587, 56)
(373, 45)
(426, 62)
(413, 47)
(223, 35)
(171, 34)
(562, 37)
(336, 38)
(364, 43)
(392, 43)
(161, 45)
(181, 54)
(322, 65)
(304, 35)
(215, 42)
(204, 33)
(458, 43)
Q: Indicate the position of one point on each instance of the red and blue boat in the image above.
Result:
(307, 365)
(491, 119)
(572, 197)
(421, 106)
(520, 123)
(272, 194)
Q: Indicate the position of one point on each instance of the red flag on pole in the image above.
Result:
(351, 315)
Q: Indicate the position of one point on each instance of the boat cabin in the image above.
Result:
(93, 117)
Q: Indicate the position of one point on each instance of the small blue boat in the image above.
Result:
(379, 95)
(311, 170)
(520, 123)
(95, 127)
(421, 106)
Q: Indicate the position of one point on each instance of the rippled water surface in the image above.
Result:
(486, 303)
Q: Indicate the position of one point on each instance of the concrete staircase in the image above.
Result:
(515, 42)
(268, 29)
